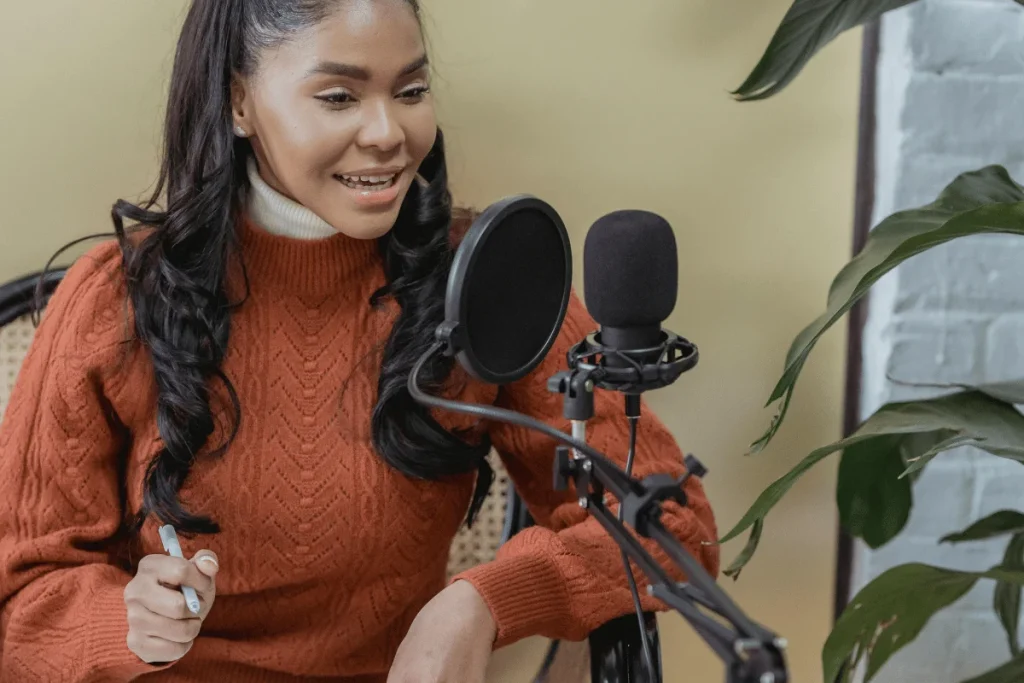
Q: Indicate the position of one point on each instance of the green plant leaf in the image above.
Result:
(997, 524)
(1006, 600)
(917, 461)
(808, 26)
(748, 551)
(979, 202)
(874, 500)
(890, 612)
(1011, 672)
(898, 431)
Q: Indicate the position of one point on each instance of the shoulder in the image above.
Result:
(92, 282)
(88, 311)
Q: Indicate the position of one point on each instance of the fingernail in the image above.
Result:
(208, 560)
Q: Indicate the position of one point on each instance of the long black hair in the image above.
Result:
(177, 271)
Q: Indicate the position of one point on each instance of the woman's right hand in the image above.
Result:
(161, 628)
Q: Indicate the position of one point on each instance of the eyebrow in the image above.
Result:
(360, 73)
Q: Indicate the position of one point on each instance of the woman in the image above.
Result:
(237, 369)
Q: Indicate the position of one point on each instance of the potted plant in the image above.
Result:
(881, 458)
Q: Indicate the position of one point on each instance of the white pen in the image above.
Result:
(170, 540)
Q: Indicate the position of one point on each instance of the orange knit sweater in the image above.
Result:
(326, 554)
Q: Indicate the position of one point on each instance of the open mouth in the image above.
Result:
(373, 183)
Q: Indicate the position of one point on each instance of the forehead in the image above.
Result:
(382, 36)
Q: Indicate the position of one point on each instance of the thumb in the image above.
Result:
(207, 562)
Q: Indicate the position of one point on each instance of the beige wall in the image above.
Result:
(592, 107)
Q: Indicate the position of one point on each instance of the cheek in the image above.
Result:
(302, 140)
(421, 132)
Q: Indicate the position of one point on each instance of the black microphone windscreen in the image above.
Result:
(515, 299)
(509, 288)
(630, 270)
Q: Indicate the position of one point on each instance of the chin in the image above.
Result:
(363, 226)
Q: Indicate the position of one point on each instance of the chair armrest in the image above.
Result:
(17, 297)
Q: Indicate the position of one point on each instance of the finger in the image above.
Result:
(159, 599)
(181, 631)
(207, 562)
(156, 650)
(176, 572)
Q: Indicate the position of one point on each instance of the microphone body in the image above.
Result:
(631, 279)
(631, 276)
(639, 342)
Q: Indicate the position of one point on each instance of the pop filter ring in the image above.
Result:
(452, 333)
(675, 355)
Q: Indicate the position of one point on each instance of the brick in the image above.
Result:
(1004, 358)
(951, 477)
(998, 483)
(981, 274)
(923, 176)
(936, 349)
(940, 44)
(962, 115)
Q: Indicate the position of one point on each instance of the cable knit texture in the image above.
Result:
(326, 553)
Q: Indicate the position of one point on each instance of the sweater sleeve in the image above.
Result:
(564, 577)
(62, 612)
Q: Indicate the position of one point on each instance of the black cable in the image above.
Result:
(630, 578)
(615, 479)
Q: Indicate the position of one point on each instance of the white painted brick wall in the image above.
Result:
(951, 99)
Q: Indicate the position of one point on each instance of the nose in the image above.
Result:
(380, 128)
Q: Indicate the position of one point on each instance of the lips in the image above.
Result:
(376, 188)
(372, 182)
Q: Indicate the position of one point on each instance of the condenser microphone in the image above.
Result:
(630, 280)
(508, 292)
(630, 283)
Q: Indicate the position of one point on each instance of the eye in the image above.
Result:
(336, 98)
(415, 93)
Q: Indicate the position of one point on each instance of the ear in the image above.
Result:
(241, 104)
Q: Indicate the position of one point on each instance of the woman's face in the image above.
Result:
(340, 116)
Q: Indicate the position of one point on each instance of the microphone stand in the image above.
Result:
(751, 653)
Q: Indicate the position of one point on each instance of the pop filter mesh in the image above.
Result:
(515, 291)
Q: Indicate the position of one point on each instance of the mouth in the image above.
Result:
(373, 189)
(377, 182)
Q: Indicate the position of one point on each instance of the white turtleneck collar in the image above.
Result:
(279, 215)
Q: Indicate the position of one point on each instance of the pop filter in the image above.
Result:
(508, 290)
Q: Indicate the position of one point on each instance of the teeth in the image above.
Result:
(371, 182)
(372, 179)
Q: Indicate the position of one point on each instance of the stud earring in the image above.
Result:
(240, 132)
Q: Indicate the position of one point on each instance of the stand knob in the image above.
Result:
(694, 467)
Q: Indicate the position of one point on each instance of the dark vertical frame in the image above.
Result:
(864, 203)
